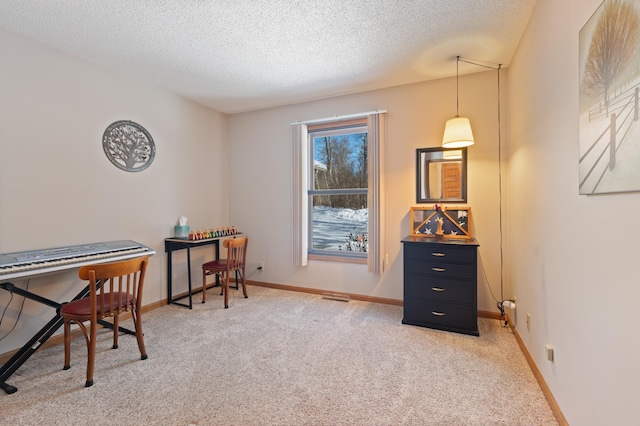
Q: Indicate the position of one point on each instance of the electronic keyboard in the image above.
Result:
(36, 262)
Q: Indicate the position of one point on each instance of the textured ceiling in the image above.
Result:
(242, 55)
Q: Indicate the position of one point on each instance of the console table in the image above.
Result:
(440, 284)
(173, 244)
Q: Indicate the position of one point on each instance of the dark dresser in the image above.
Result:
(440, 284)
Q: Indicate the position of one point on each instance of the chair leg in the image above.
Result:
(137, 322)
(116, 324)
(91, 353)
(226, 291)
(67, 345)
(244, 284)
(204, 286)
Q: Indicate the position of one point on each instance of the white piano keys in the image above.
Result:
(70, 257)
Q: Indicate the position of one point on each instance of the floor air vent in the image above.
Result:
(336, 296)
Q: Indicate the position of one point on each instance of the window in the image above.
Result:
(338, 189)
(358, 141)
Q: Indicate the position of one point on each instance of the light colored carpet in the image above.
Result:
(283, 358)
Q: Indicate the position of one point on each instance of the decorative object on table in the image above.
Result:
(181, 230)
(438, 220)
(446, 222)
(608, 61)
(212, 233)
(128, 146)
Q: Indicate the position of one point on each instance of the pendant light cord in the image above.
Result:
(497, 68)
(457, 87)
(500, 192)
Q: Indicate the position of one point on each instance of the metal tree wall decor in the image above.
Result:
(128, 146)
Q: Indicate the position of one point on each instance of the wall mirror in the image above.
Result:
(441, 175)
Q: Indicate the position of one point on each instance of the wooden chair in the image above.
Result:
(114, 288)
(235, 262)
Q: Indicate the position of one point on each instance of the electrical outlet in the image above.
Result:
(549, 349)
(528, 321)
(261, 266)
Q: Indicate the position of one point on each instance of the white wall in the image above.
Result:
(57, 187)
(260, 146)
(574, 258)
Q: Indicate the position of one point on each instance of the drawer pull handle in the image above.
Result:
(438, 314)
(437, 288)
(438, 254)
(438, 269)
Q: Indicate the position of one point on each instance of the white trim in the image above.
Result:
(377, 193)
(340, 117)
(300, 206)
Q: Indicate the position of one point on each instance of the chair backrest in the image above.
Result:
(236, 252)
(116, 286)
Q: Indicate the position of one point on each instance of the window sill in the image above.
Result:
(339, 259)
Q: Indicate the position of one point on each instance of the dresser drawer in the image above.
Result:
(440, 252)
(438, 269)
(439, 290)
(440, 315)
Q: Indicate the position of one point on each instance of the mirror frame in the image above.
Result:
(421, 165)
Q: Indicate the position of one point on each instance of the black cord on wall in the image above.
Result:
(498, 302)
(4, 311)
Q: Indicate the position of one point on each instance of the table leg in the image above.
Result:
(169, 275)
(189, 275)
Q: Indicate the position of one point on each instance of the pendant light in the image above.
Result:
(457, 131)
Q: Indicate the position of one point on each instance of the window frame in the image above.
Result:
(378, 257)
(327, 130)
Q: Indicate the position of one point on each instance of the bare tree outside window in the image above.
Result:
(344, 166)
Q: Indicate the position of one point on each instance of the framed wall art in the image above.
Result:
(455, 221)
(609, 60)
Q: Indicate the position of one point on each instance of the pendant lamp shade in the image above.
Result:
(457, 133)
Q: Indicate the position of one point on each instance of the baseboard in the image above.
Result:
(489, 314)
(555, 408)
(352, 296)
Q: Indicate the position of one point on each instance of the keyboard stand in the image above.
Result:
(41, 336)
